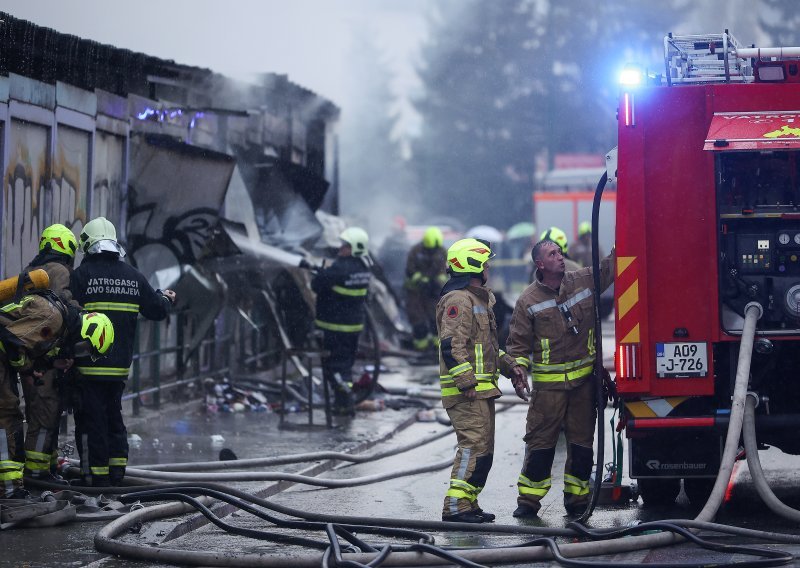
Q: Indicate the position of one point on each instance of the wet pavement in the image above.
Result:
(188, 433)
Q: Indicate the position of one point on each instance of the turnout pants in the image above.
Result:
(337, 368)
(474, 425)
(100, 432)
(42, 413)
(548, 411)
(12, 455)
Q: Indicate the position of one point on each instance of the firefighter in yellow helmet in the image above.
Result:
(43, 407)
(38, 331)
(470, 362)
(552, 333)
(560, 238)
(341, 292)
(425, 276)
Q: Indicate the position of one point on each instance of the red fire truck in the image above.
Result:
(708, 220)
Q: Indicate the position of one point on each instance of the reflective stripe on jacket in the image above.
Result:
(469, 355)
(341, 294)
(104, 283)
(555, 328)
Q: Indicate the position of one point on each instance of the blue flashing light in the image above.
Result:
(631, 76)
(146, 113)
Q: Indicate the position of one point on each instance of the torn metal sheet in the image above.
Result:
(176, 194)
(202, 298)
(284, 197)
(232, 238)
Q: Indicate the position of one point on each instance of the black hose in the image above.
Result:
(241, 531)
(447, 555)
(332, 530)
(158, 495)
(773, 557)
(362, 521)
(598, 346)
(104, 542)
(352, 539)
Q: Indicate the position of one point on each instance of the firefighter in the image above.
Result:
(553, 324)
(37, 332)
(469, 362)
(582, 250)
(425, 275)
(560, 238)
(57, 247)
(106, 284)
(341, 292)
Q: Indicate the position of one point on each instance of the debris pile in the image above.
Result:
(223, 396)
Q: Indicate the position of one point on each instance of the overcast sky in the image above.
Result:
(306, 39)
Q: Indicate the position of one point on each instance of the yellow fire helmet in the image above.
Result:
(468, 256)
(97, 329)
(59, 239)
(558, 236)
(432, 238)
(584, 228)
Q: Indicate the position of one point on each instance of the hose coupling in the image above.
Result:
(754, 305)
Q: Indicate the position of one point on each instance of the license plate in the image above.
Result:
(681, 360)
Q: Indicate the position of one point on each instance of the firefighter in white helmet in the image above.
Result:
(470, 361)
(341, 292)
(105, 283)
(552, 333)
(425, 276)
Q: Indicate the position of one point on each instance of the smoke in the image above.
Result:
(376, 180)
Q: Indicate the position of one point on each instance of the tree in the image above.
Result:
(508, 79)
(475, 153)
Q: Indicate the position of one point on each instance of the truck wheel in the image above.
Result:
(659, 492)
(698, 489)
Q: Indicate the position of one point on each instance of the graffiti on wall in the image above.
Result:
(38, 191)
(176, 193)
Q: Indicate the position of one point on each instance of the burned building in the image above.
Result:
(208, 181)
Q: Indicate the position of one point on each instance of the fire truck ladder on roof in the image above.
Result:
(711, 58)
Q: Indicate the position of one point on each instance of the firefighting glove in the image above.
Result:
(416, 281)
(610, 389)
(305, 265)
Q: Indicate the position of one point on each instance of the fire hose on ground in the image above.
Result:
(754, 464)
(541, 549)
(545, 550)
